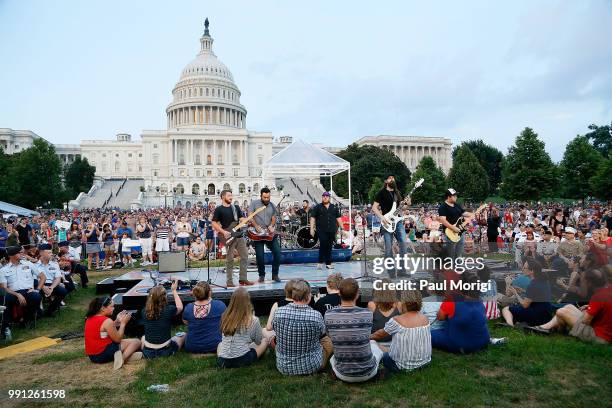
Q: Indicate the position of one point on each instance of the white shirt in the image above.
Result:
(51, 271)
(20, 276)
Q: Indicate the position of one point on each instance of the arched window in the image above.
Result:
(226, 186)
(208, 159)
(256, 188)
(163, 189)
(197, 159)
(117, 166)
(207, 88)
(195, 189)
(180, 189)
(211, 189)
(241, 188)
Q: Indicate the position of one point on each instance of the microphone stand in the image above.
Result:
(206, 227)
(279, 218)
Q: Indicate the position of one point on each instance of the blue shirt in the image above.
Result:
(3, 237)
(204, 334)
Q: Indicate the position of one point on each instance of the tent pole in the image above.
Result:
(350, 209)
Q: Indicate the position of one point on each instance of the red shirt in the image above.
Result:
(600, 307)
(448, 308)
(94, 343)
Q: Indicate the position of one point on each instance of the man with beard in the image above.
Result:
(266, 220)
(325, 220)
(224, 215)
(383, 202)
(304, 213)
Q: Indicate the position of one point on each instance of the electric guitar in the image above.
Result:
(393, 216)
(462, 224)
(265, 235)
(236, 227)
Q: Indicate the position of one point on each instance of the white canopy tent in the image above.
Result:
(303, 160)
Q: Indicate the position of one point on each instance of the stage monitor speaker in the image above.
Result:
(172, 261)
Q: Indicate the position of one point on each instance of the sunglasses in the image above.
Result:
(107, 301)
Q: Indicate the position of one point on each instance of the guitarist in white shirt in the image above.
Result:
(383, 202)
(223, 217)
(449, 212)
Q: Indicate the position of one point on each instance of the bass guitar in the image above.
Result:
(236, 228)
(394, 216)
(462, 224)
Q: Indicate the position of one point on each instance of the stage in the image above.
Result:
(130, 289)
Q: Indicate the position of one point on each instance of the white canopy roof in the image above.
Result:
(301, 159)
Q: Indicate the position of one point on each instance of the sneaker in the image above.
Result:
(62, 303)
(330, 266)
(8, 335)
(118, 360)
(230, 284)
(134, 357)
(246, 283)
(498, 341)
(276, 279)
(261, 279)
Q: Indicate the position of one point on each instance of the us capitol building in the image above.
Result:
(206, 146)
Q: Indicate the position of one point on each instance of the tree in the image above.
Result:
(528, 172)
(434, 184)
(601, 182)
(602, 138)
(490, 158)
(467, 176)
(377, 185)
(78, 176)
(581, 161)
(36, 174)
(368, 163)
(7, 185)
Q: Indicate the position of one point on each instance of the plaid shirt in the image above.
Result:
(298, 330)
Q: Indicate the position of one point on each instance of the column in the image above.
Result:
(214, 151)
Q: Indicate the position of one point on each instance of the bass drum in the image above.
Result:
(304, 240)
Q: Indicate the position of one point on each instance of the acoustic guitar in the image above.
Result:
(462, 224)
(236, 228)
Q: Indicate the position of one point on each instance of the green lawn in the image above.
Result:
(530, 370)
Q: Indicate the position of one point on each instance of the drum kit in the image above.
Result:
(292, 236)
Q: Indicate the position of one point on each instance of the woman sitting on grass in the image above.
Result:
(410, 336)
(158, 315)
(197, 250)
(383, 309)
(103, 341)
(535, 307)
(203, 319)
(465, 322)
(243, 342)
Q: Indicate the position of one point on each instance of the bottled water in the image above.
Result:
(159, 388)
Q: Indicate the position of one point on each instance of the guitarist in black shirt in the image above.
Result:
(383, 202)
(450, 212)
(225, 217)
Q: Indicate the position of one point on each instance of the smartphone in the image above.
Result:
(180, 334)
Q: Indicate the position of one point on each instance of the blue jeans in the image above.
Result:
(400, 236)
(390, 364)
(454, 249)
(274, 247)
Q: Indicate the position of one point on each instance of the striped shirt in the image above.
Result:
(298, 330)
(410, 346)
(349, 329)
(239, 344)
(162, 231)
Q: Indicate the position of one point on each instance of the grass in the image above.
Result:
(531, 370)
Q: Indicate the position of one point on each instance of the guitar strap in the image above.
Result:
(234, 213)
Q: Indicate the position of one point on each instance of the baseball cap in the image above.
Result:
(570, 230)
(450, 192)
(326, 194)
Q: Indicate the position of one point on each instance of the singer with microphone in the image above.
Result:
(264, 224)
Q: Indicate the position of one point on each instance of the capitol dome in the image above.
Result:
(206, 95)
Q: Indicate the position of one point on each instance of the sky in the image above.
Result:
(322, 71)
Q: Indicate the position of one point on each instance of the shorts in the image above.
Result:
(167, 351)
(109, 247)
(162, 244)
(146, 245)
(247, 359)
(107, 355)
(585, 332)
(182, 241)
(93, 248)
(375, 229)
